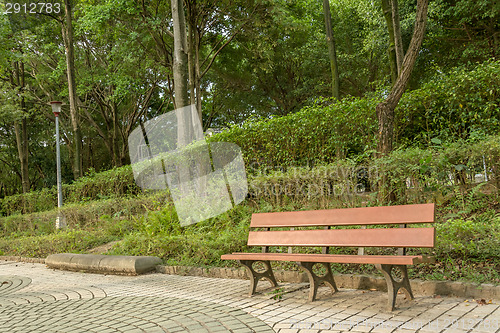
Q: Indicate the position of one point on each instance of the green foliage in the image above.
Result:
(160, 234)
(461, 104)
(111, 214)
(316, 134)
(466, 29)
(114, 183)
(468, 239)
(474, 238)
(277, 293)
(418, 175)
(75, 241)
(468, 229)
(335, 183)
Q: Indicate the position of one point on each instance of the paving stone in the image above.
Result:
(77, 302)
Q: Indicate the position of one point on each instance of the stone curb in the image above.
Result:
(419, 287)
(23, 259)
(423, 288)
(96, 263)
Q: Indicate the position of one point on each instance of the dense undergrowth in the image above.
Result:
(468, 212)
(323, 158)
(450, 125)
(468, 233)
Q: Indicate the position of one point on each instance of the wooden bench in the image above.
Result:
(391, 232)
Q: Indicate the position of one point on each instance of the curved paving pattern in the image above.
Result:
(61, 301)
(11, 292)
(129, 314)
(10, 284)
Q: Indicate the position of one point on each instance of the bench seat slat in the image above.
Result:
(331, 258)
(388, 237)
(403, 214)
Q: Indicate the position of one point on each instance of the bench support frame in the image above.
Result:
(255, 276)
(394, 284)
(316, 280)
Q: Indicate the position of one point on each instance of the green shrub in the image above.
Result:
(476, 238)
(316, 134)
(462, 104)
(160, 234)
(418, 175)
(75, 241)
(323, 183)
(114, 183)
(81, 215)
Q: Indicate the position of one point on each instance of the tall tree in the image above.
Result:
(67, 31)
(21, 129)
(331, 49)
(385, 109)
(391, 50)
(180, 64)
(398, 38)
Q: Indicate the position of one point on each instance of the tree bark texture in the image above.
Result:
(180, 65)
(331, 50)
(21, 127)
(385, 109)
(67, 31)
(398, 39)
(391, 50)
(181, 73)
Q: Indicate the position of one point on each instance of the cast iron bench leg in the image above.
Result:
(256, 276)
(316, 280)
(394, 284)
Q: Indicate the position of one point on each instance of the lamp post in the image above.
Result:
(56, 109)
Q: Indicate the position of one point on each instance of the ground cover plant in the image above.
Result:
(259, 74)
(468, 227)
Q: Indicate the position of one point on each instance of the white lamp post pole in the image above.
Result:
(56, 109)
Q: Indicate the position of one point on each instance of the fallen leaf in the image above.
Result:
(481, 301)
(5, 282)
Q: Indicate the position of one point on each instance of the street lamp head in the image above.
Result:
(56, 107)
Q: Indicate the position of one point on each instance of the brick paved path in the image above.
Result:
(36, 299)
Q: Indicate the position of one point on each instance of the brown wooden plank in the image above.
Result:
(422, 213)
(387, 237)
(331, 258)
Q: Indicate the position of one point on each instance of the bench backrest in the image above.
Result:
(367, 237)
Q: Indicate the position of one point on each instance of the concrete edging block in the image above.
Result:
(349, 281)
(105, 264)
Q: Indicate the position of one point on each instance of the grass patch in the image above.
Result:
(467, 249)
(75, 241)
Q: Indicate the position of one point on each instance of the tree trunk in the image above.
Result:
(391, 50)
(191, 27)
(180, 65)
(331, 49)
(181, 72)
(67, 31)
(22, 150)
(385, 109)
(21, 129)
(194, 58)
(197, 73)
(398, 39)
(117, 162)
